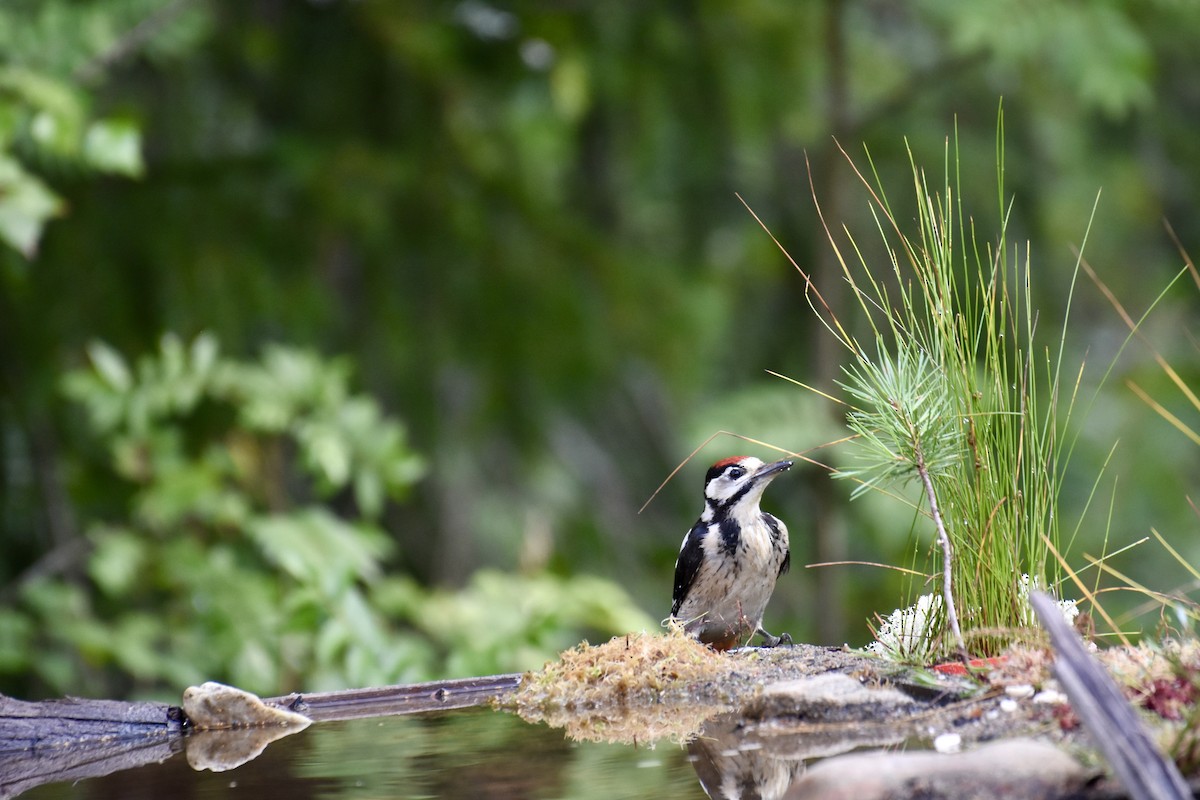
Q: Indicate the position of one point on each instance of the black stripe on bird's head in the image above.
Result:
(739, 479)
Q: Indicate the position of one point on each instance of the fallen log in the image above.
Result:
(70, 739)
(74, 738)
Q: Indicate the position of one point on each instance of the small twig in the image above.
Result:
(415, 698)
(133, 39)
(60, 559)
(1088, 595)
(892, 567)
(1187, 259)
(810, 288)
(947, 551)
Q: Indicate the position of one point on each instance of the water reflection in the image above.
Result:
(613, 751)
(733, 765)
(742, 756)
(463, 754)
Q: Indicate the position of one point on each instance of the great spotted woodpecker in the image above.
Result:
(731, 558)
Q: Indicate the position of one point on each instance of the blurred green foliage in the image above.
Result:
(518, 223)
(232, 563)
(51, 54)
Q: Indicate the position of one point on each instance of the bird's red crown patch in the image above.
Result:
(725, 462)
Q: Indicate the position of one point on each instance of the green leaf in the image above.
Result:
(205, 351)
(110, 365)
(16, 631)
(327, 453)
(317, 549)
(368, 493)
(118, 561)
(26, 204)
(136, 644)
(114, 145)
(55, 109)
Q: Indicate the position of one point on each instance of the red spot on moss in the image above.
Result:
(958, 668)
(1168, 697)
(1066, 717)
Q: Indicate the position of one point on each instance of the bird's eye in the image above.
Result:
(736, 472)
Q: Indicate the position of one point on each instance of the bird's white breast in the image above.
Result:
(732, 589)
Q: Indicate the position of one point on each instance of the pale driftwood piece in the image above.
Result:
(213, 706)
(1115, 727)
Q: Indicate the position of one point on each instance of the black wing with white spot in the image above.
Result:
(691, 555)
(776, 527)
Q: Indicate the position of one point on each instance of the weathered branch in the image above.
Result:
(947, 550)
(1113, 724)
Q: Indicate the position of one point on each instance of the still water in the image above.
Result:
(475, 753)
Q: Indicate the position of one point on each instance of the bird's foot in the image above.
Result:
(774, 641)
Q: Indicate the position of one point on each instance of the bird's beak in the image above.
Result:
(769, 470)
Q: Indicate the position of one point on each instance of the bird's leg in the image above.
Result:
(774, 641)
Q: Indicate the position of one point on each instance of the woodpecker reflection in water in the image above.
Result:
(731, 558)
(733, 762)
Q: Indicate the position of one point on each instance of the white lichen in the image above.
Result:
(1025, 585)
(909, 634)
